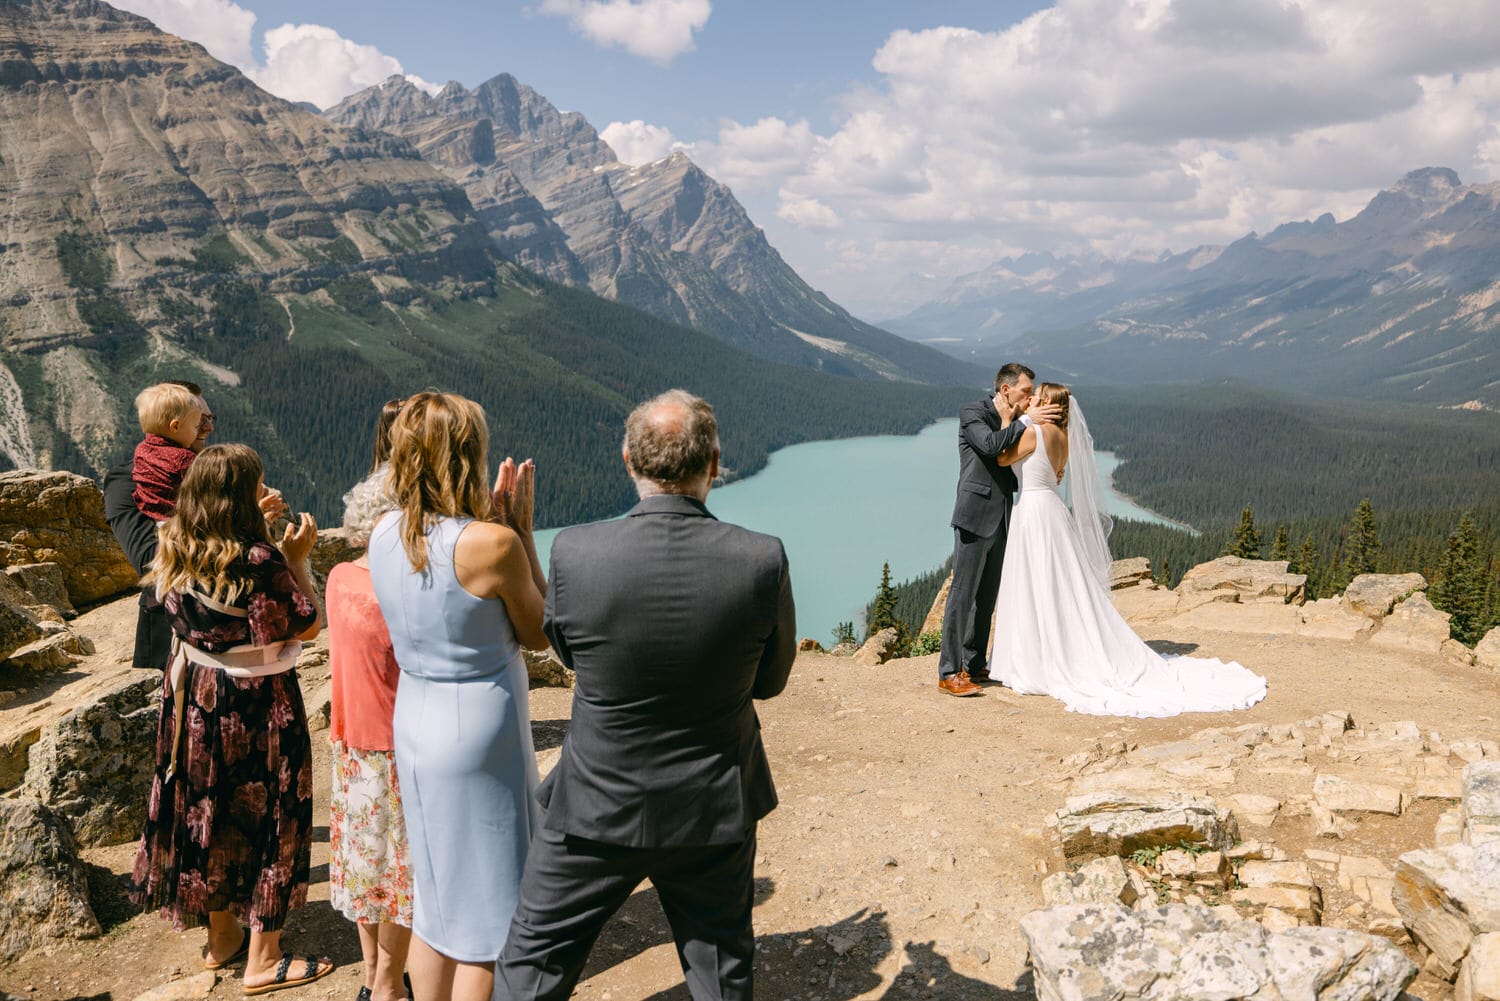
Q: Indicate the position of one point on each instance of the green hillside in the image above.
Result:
(556, 370)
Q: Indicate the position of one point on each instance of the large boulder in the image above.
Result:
(1487, 650)
(878, 648)
(1415, 626)
(1373, 595)
(1120, 821)
(334, 546)
(93, 766)
(57, 517)
(1102, 881)
(1129, 573)
(44, 584)
(1245, 580)
(18, 628)
(1479, 977)
(43, 885)
(1447, 897)
(1481, 802)
(1188, 953)
(545, 670)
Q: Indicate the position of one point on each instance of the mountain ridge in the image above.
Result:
(664, 236)
(1404, 296)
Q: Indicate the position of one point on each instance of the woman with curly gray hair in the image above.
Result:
(368, 878)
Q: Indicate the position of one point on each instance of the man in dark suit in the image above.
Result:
(981, 515)
(674, 622)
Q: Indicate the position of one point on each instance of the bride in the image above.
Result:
(1056, 632)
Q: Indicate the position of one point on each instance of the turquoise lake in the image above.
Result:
(844, 507)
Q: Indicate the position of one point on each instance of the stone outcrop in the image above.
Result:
(1448, 897)
(1479, 977)
(545, 670)
(59, 518)
(1098, 952)
(1121, 821)
(877, 649)
(43, 885)
(1129, 573)
(1487, 650)
(1102, 881)
(1373, 595)
(93, 766)
(1245, 580)
(1414, 625)
(45, 584)
(1480, 813)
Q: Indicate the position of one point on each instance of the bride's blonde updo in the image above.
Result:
(1056, 392)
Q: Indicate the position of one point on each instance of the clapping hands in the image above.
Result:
(514, 498)
(298, 538)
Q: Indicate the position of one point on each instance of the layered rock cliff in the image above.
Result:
(665, 236)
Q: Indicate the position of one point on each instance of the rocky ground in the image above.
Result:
(916, 830)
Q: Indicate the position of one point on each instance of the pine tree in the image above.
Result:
(1362, 544)
(1245, 543)
(1281, 547)
(1461, 587)
(883, 612)
(1307, 563)
(843, 633)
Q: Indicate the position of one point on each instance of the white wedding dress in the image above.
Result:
(1057, 633)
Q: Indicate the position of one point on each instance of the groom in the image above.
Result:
(981, 516)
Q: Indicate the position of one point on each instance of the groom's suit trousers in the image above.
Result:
(977, 561)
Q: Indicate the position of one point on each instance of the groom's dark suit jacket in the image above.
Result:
(674, 622)
(984, 486)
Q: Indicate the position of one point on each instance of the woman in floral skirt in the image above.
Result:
(369, 882)
(228, 832)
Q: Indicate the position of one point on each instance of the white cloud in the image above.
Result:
(1124, 127)
(308, 62)
(807, 213)
(300, 62)
(637, 142)
(658, 30)
(220, 26)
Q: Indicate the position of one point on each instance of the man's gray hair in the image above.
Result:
(672, 440)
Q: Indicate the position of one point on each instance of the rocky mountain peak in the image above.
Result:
(1430, 184)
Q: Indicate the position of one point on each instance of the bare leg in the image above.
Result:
(473, 981)
(436, 977)
(369, 950)
(224, 936)
(431, 971)
(390, 962)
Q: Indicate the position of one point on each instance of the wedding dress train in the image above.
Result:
(1057, 633)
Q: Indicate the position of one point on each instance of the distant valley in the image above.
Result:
(1401, 301)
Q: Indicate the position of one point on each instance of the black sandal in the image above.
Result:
(313, 971)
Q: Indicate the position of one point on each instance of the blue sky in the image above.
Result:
(888, 148)
(753, 57)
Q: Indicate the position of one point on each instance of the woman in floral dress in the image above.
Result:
(368, 878)
(228, 831)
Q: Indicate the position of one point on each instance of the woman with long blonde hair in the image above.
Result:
(228, 832)
(456, 573)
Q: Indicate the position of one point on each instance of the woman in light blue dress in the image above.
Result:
(456, 574)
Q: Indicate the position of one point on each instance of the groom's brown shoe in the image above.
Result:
(978, 677)
(958, 684)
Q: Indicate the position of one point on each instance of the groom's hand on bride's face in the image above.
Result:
(1044, 413)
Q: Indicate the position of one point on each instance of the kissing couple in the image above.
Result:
(1029, 605)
